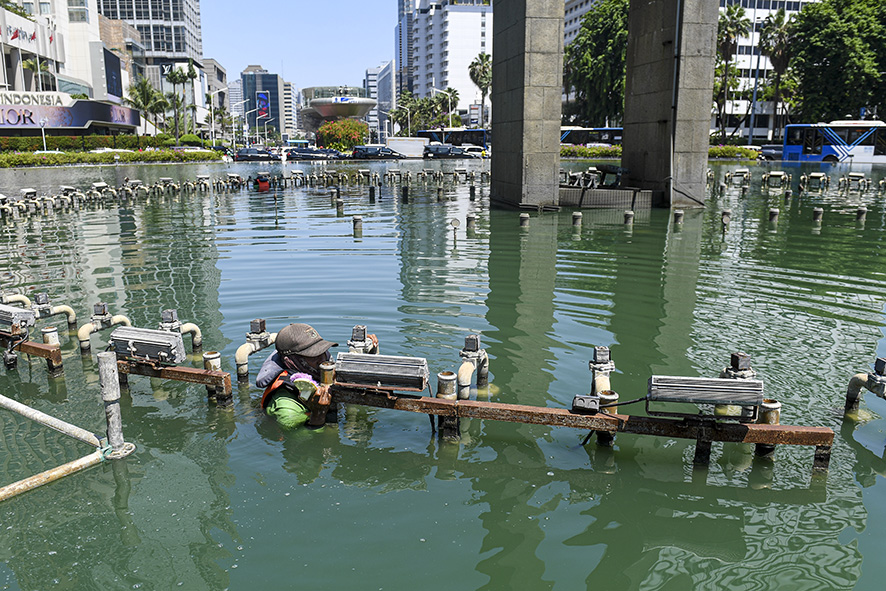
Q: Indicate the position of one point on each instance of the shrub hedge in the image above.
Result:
(598, 152)
(68, 143)
(21, 159)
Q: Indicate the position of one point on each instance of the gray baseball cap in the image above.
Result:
(301, 339)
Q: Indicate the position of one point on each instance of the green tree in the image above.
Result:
(176, 77)
(41, 72)
(480, 72)
(596, 61)
(342, 134)
(839, 58)
(144, 98)
(191, 74)
(732, 26)
(776, 39)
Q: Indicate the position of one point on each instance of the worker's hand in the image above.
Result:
(321, 398)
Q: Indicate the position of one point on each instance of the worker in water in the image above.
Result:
(291, 377)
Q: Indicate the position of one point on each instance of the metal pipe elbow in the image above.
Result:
(465, 372)
(196, 335)
(17, 298)
(67, 311)
(83, 335)
(856, 383)
(120, 320)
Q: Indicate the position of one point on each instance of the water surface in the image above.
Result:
(223, 498)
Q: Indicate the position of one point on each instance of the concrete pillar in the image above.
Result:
(670, 74)
(527, 85)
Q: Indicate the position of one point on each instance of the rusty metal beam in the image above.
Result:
(52, 353)
(219, 379)
(820, 437)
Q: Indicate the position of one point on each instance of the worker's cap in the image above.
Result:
(301, 339)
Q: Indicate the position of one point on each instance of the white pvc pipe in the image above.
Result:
(49, 421)
(196, 336)
(17, 298)
(67, 311)
(241, 357)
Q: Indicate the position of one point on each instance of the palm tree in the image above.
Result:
(191, 75)
(776, 37)
(39, 68)
(175, 102)
(480, 72)
(733, 25)
(158, 106)
(176, 77)
(142, 96)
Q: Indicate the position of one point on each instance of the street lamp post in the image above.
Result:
(212, 115)
(43, 122)
(266, 130)
(449, 98)
(235, 114)
(246, 121)
(756, 46)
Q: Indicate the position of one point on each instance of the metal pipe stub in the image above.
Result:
(448, 426)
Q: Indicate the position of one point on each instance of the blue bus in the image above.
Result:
(583, 136)
(457, 136)
(837, 141)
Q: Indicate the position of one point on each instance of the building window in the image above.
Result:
(28, 7)
(78, 11)
(45, 8)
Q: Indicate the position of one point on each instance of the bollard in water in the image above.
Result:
(358, 224)
(447, 425)
(722, 188)
(405, 194)
(678, 216)
(861, 214)
(629, 217)
(770, 414)
(773, 215)
(372, 193)
(50, 337)
(787, 195)
(110, 389)
(726, 217)
(473, 192)
(471, 222)
(608, 400)
(524, 220)
(340, 206)
(817, 214)
(576, 219)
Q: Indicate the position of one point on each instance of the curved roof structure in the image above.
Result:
(343, 106)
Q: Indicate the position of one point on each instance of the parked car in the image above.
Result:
(374, 153)
(771, 152)
(480, 151)
(224, 150)
(253, 155)
(441, 151)
(312, 154)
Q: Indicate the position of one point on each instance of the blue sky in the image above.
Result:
(308, 42)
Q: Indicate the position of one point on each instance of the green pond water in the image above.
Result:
(218, 498)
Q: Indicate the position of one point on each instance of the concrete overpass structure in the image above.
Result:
(670, 70)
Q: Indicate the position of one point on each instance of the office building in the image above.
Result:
(170, 29)
(263, 93)
(387, 98)
(403, 46)
(573, 14)
(370, 85)
(447, 35)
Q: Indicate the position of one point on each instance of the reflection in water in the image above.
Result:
(218, 498)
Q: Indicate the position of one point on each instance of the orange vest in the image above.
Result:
(279, 381)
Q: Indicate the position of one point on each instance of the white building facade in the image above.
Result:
(447, 35)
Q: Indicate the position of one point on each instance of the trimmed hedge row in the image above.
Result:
(69, 143)
(21, 159)
(599, 152)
